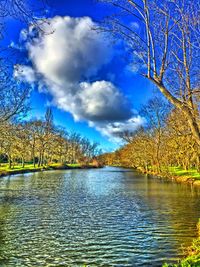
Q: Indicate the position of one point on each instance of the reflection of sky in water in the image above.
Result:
(103, 187)
(105, 217)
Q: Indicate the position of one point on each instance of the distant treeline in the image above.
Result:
(165, 141)
(40, 142)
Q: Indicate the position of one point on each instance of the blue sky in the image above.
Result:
(92, 99)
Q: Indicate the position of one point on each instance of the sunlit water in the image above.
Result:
(103, 217)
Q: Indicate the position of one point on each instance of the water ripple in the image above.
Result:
(109, 217)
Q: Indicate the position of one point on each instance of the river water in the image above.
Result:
(98, 217)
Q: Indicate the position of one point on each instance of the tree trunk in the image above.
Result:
(198, 163)
(193, 126)
(39, 160)
(33, 157)
(186, 110)
(10, 162)
(23, 162)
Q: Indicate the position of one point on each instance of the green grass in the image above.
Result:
(192, 260)
(75, 165)
(178, 171)
(4, 168)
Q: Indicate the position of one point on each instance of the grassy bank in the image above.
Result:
(178, 171)
(178, 174)
(190, 176)
(18, 169)
(192, 258)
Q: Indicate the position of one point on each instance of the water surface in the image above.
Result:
(102, 217)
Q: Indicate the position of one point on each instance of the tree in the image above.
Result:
(156, 112)
(41, 142)
(14, 94)
(13, 98)
(167, 142)
(28, 12)
(180, 144)
(32, 128)
(166, 45)
(22, 142)
(9, 141)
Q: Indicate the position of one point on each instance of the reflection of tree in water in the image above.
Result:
(12, 196)
(61, 213)
(169, 211)
(7, 213)
(29, 208)
(3, 247)
(178, 206)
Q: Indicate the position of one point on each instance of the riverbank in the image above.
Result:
(177, 174)
(5, 171)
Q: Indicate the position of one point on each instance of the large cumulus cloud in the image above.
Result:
(102, 101)
(71, 53)
(67, 62)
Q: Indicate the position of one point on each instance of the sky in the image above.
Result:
(86, 78)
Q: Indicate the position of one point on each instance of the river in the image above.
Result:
(98, 217)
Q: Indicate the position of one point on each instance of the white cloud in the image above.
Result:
(72, 53)
(66, 62)
(102, 101)
(25, 73)
(113, 129)
(23, 35)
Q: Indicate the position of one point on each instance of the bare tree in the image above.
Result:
(29, 12)
(156, 112)
(165, 38)
(13, 98)
(14, 94)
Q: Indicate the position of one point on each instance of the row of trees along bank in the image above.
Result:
(40, 142)
(165, 141)
(37, 141)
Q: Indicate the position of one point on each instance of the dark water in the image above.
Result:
(105, 217)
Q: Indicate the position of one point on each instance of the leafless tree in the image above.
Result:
(13, 98)
(156, 112)
(29, 12)
(14, 94)
(164, 36)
